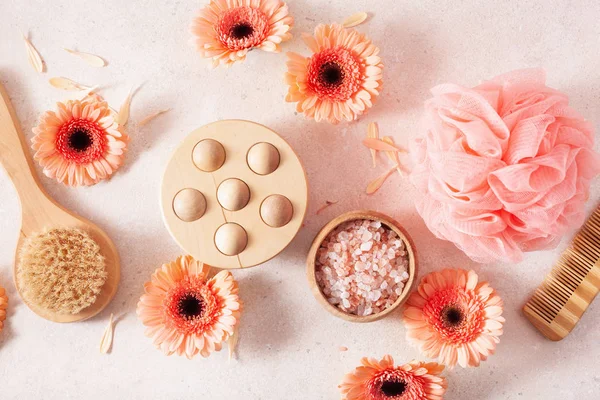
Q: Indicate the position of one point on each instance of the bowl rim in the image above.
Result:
(356, 215)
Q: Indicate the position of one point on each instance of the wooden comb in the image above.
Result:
(560, 301)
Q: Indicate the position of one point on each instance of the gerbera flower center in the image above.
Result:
(334, 74)
(242, 28)
(452, 315)
(455, 314)
(81, 141)
(191, 306)
(331, 74)
(393, 388)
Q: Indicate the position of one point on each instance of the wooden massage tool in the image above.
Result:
(40, 212)
(234, 194)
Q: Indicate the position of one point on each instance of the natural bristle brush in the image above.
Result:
(66, 268)
(560, 301)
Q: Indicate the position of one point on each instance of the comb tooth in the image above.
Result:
(592, 238)
(550, 303)
(593, 228)
(558, 285)
(585, 254)
(564, 280)
(590, 235)
(579, 263)
(538, 306)
(582, 243)
(571, 273)
(556, 295)
(595, 216)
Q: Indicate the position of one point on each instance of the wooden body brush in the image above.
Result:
(40, 213)
(560, 301)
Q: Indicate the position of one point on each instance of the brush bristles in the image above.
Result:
(571, 269)
(61, 270)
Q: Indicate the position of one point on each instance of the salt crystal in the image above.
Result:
(367, 236)
(366, 246)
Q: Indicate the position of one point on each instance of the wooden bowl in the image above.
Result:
(360, 215)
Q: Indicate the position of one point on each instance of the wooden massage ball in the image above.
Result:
(263, 158)
(208, 155)
(276, 210)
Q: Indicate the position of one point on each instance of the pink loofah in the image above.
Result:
(504, 167)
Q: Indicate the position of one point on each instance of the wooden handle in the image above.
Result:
(13, 154)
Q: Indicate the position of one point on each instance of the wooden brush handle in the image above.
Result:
(14, 155)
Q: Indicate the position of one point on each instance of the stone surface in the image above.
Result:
(289, 346)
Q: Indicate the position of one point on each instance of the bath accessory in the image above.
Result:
(40, 212)
(560, 301)
(503, 168)
(352, 216)
(234, 194)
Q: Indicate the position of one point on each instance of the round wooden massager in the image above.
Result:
(234, 194)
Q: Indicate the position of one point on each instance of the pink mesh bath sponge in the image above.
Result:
(504, 167)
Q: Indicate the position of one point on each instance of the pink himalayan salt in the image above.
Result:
(362, 267)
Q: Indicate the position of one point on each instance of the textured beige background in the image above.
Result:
(289, 347)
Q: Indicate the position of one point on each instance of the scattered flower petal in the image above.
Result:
(327, 204)
(233, 341)
(373, 133)
(107, 337)
(67, 84)
(355, 20)
(377, 183)
(378, 144)
(123, 116)
(34, 56)
(91, 59)
(393, 155)
(150, 117)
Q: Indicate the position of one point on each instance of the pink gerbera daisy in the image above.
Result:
(187, 313)
(81, 143)
(454, 318)
(226, 30)
(382, 380)
(340, 81)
